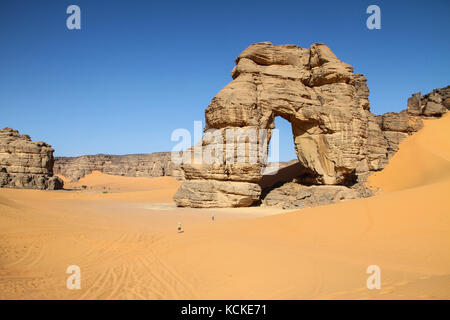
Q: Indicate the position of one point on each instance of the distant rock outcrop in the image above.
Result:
(338, 140)
(433, 104)
(133, 165)
(25, 163)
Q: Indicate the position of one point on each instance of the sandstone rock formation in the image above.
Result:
(433, 104)
(212, 193)
(25, 163)
(284, 189)
(397, 126)
(293, 195)
(338, 140)
(133, 165)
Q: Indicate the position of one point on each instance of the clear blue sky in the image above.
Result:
(137, 70)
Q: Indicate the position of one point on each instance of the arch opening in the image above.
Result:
(289, 166)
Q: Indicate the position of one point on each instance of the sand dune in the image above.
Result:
(126, 244)
(424, 158)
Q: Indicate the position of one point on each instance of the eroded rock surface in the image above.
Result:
(395, 126)
(133, 165)
(326, 103)
(214, 193)
(25, 163)
(293, 195)
(338, 140)
(433, 104)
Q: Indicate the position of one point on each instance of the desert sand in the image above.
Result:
(121, 232)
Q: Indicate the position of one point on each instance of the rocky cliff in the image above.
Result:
(338, 140)
(25, 163)
(134, 165)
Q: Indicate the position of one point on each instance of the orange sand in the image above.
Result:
(424, 159)
(126, 244)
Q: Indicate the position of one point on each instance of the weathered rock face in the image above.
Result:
(290, 193)
(25, 163)
(319, 94)
(214, 193)
(133, 165)
(293, 195)
(326, 103)
(338, 140)
(397, 126)
(286, 189)
(433, 104)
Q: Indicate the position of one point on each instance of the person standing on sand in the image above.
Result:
(212, 216)
(179, 227)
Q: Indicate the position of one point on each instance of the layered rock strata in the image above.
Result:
(133, 165)
(25, 163)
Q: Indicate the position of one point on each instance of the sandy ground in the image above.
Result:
(121, 232)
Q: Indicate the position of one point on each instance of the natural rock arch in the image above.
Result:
(336, 136)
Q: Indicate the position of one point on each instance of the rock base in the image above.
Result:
(216, 194)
